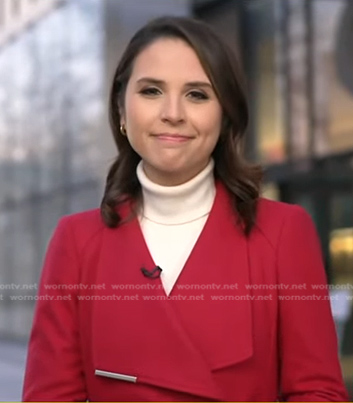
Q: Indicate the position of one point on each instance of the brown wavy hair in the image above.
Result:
(241, 179)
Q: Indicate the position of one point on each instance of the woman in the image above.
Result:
(185, 286)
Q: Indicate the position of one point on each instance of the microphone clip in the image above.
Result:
(154, 273)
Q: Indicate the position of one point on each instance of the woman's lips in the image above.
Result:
(173, 138)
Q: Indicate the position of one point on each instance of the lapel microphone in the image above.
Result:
(154, 273)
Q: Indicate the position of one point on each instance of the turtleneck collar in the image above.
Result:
(173, 205)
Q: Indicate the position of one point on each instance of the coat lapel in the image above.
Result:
(217, 312)
(174, 342)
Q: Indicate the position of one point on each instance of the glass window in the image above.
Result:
(333, 75)
(51, 102)
(265, 79)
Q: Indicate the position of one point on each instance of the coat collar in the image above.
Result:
(205, 324)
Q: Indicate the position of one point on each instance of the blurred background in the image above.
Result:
(57, 59)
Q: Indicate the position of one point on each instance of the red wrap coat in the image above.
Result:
(248, 319)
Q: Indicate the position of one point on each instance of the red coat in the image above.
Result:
(270, 342)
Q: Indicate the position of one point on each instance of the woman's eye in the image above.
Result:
(198, 95)
(150, 91)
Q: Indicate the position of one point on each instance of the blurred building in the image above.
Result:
(51, 101)
(57, 59)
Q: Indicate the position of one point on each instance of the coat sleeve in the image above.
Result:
(310, 369)
(54, 369)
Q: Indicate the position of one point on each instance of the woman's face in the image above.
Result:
(171, 112)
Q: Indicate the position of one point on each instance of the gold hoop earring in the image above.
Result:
(123, 130)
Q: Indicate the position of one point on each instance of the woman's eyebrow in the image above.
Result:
(155, 81)
(150, 80)
(199, 84)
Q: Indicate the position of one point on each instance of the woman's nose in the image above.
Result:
(173, 110)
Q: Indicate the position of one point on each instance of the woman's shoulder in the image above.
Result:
(83, 225)
(277, 210)
(275, 217)
(87, 219)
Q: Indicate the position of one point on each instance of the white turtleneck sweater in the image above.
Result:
(173, 218)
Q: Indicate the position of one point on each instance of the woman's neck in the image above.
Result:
(173, 205)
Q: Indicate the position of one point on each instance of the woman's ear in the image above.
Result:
(122, 120)
(121, 112)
